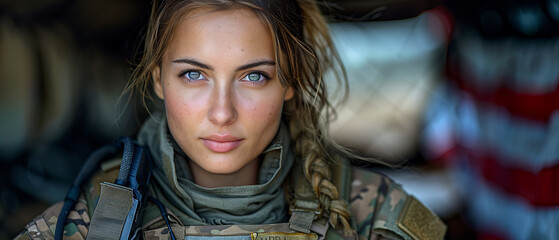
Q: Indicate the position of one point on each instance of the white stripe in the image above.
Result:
(527, 65)
(490, 209)
(516, 142)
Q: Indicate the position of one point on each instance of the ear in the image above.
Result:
(157, 85)
(289, 93)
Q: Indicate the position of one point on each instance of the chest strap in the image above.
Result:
(114, 213)
(117, 213)
(303, 214)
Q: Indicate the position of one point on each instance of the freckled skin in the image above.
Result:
(223, 103)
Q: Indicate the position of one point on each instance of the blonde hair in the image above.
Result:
(304, 52)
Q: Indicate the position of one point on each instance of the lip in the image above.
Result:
(221, 143)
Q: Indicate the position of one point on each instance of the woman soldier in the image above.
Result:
(240, 150)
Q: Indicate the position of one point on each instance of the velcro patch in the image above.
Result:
(419, 222)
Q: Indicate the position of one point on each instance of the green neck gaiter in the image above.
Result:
(171, 184)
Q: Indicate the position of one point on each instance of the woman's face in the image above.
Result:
(222, 95)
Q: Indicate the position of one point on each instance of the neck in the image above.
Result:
(248, 175)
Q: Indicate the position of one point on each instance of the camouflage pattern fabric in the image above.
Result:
(77, 223)
(215, 230)
(43, 226)
(376, 204)
(268, 231)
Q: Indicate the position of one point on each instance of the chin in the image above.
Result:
(221, 167)
(220, 170)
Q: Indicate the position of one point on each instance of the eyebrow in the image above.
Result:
(192, 62)
(256, 64)
(240, 68)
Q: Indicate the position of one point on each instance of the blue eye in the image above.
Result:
(194, 75)
(255, 77)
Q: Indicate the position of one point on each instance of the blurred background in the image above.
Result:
(464, 95)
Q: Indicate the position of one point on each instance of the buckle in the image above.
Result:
(303, 213)
(301, 205)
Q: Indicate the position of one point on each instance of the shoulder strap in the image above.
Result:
(134, 176)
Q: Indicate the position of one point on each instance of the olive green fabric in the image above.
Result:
(379, 206)
(195, 205)
(112, 210)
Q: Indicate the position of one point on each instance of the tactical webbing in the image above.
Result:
(301, 221)
(305, 208)
(109, 218)
(118, 207)
(303, 213)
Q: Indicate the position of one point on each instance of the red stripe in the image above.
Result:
(445, 158)
(540, 189)
(538, 107)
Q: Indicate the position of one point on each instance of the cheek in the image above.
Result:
(182, 109)
(264, 110)
(175, 106)
(273, 110)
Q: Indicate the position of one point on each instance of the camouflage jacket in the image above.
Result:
(381, 210)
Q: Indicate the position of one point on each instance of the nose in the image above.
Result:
(222, 110)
